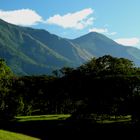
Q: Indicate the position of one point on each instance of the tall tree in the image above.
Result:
(5, 83)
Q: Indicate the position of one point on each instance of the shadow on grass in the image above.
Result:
(70, 130)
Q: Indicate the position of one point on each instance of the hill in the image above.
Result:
(31, 51)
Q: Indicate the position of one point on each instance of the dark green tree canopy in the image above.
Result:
(5, 85)
(108, 65)
(5, 71)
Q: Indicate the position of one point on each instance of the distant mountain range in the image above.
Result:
(31, 51)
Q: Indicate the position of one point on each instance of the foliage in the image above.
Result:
(5, 85)
(106, 85)
(108, 65)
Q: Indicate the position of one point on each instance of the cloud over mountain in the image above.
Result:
(77, 20)
(128, 41)
(24, 17)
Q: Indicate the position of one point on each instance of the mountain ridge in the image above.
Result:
(30, 51)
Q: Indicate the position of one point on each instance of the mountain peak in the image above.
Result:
(96, 38)
(94, 33)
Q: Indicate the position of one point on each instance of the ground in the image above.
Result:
(50, 127)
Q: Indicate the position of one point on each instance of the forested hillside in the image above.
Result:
(106, 85)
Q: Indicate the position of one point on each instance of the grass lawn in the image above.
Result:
(7, 135)
(117, 119)
(31, 127)
(57, 126)
(43, 117)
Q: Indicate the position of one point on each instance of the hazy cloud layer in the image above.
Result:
(24, 17)
(77, 20)
(128, 41)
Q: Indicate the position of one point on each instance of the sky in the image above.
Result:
(117, 19)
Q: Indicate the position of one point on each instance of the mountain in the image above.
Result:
(98, 45)
(31, 51)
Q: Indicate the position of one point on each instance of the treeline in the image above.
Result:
(104, 85)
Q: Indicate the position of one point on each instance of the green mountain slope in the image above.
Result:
(98, 45)
(27, 53)
(31, 51)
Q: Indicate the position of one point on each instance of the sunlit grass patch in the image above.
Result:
(43, 117)
(113, 119)
(7, 135)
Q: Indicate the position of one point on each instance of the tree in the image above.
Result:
(107, 84)
(5, 84)
(108, 65)
(66, 71)
(5, 71)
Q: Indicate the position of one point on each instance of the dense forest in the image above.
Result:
(104, 85)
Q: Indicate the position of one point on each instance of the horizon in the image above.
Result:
(71, 19)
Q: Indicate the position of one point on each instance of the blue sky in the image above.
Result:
(117, 19)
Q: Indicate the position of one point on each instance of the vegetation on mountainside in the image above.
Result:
(36, 52)
(106, 85)
(102, 95)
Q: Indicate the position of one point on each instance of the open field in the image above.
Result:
(114, 119)
(38, 127)
(43, 117)
(50, 127)
(6, 135)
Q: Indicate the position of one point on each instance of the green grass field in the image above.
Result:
(49, 127)
(43, 117)
(7, 135)
(113, 119)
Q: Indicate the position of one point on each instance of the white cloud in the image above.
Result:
(128, 41)
(24, 17)
(77, 20)
(102, 31)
